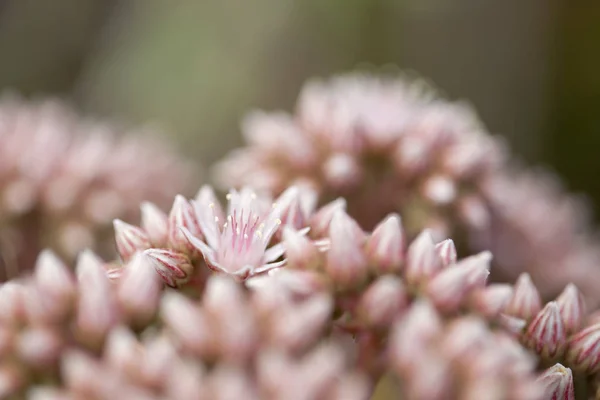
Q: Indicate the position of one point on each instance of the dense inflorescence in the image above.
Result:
(64, 178)
(387, 144)
(332, 273)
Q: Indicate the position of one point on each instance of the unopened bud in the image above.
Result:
(300, 252)
(557, 383)
(583, 350)
(382, 301)
(320, 221)
(174, 267)
(546, 333)
(346, 263)
(154, 223)
(182, 215)
(526, 301)
(572, 308)
(385, 247)
(129, 239)
(423, 260)
(447, 251)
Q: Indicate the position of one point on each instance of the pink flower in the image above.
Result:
(238, 246)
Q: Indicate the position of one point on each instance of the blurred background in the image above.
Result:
(195, 67)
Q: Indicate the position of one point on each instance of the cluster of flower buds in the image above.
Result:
(388, 144)
(44, 315)
(64, 178)
(534, 223)
(243, 242)
(458, 359)
(380, 142)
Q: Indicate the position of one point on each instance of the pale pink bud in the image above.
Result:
(154, 223)
(159, 358)
(188, 322)
(465, 337)
(412, 334)
(423, 260)
(122, 351)
(291, 212)
(129, 239)
(229, 383)
(557, 383)
(385, 247)
(222, 293)
(346, 263)
(53, 278)
(81, 373)
(583, 350)
(186, 381)
(12, 296)
(39, 347)
(447, 251)
(96, 310)
(572, 308)
(174, 267)
(139, 290)
(474, 211)
(342, 171)
(320, 369)
(352, 386)
(546, 333)
(440, 190)
(300, 252)
(513, 325)
(429, 378)
(448, 289)
(182, 215)
(299, 327)
(382, 301)
(526, 301)
(320, 221)
(491, 300)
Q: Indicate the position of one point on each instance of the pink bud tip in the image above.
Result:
(182, 215)
(572, 308)
(385, 247)
(53, 277)
(319, 222)
(300, 252)
(423, 260)
(546, 333)
(174, 268)
(346, 262)
(129, 239)
(139, 289)
(526, 301)
(583, 350)
(447, 251)
(557, 383)
(382, 301)
(154, 223)
(491, 300)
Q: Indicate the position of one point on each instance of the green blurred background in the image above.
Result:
(195, 67)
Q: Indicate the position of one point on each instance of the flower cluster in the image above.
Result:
(387, 144)
(63, 179)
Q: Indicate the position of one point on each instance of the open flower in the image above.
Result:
(238, 245)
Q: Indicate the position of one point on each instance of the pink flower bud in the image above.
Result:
(491, 300)
(174, 268)
(423, 260)
(54, 279)
(526, 301)
(583, 350)
(182, 215)
(300, 252)
(572, 308)
(346, 263)
(557, 383)
(342, 171)
(12, 296)
(186, 381)
(296, 328)
(411, 335)
(319, 222)
(188, 322)
(546, 333)
(447, 251)
(96, 309)
(385, 247)
(291, 212)
(139, 290)
(474, 211)
(129, 239)
(122, 351)
(448, 289)
(382, 301)
(440, 190)
(512, 325)
(154, 223)
(39, 347)
(430, 378)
